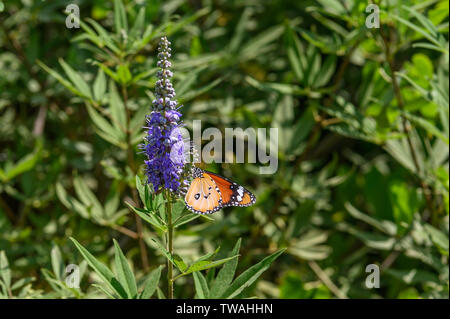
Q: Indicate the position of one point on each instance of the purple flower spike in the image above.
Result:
(164, 144)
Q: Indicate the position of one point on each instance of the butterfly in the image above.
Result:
(209, 192)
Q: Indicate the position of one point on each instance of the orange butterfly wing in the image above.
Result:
(210, 192)
(232, 193)
(203, 196)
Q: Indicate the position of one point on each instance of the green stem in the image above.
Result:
(169, 246)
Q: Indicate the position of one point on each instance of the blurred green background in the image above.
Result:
(362, 115)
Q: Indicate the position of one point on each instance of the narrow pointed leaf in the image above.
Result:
(226, 274)
(250, 275)
(120, 16)
(151, 284)
(201, 286)
(149, 217)
(5, 271)
(124, 273)
(76, 79)
(105, 274)
(99, 85)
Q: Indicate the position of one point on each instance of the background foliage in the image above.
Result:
(363, 146)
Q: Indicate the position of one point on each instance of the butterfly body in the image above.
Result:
(210, 192)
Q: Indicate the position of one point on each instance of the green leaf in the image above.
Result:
(56, 284)
(210, 255)
(87, 197)
(179, 263)
(22, 282)
(76, 79)
(149, 217)
(172, 28)
(113, 75)
(430, 34)
(400, 151)
(148, 35)
(102, 289)
(369, 79)
(226, 274)
(124, 273)
(313, 66)
(438, 237)
(151, 204)
(120, 17)
(414, 276)
(201, 286)
(174, 259)
(326, 71)
(292, 287)
(429, 26)
(139, 23)
(372, 240)
(240, 30)
(57, 262)
(140, 188)
(428, 126)
(385, 226)
(426, 94)
(109, 133)
(154, 201)
(327, 44)
(287, 89)
(90, 34)
(99, 85)
(177, 209)
(70, 202)
(333, 25)
(117, 107)
(206, 264)
(318, 252)
(429, 46)
(295, 53)
(193, 93)
(144, 75)
(124, 74)
(250, 275)
(151, 284)
(186, 218)
(310, 246)
(112, 201)
(301, 130)
(404, 202)
(104, 35)
(351, 132)
(25, 164)
(5, 271)
(334, 6)
(105, 274)
(260, 43)
(59, 78)
(160, 294)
